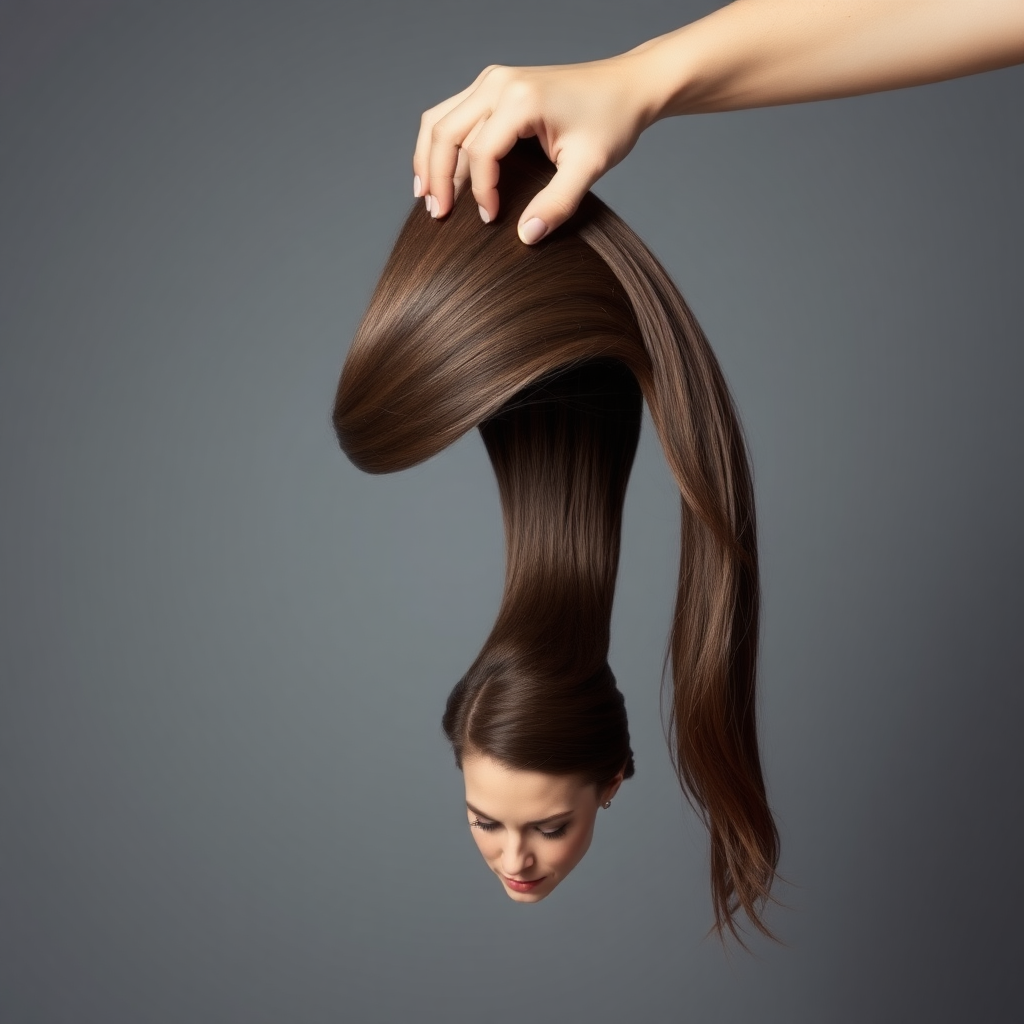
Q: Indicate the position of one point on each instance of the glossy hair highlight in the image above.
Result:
(549, 350)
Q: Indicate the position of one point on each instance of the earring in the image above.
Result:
(607, 803)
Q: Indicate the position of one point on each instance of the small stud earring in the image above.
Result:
(607, 803)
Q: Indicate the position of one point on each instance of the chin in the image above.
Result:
(524, 897)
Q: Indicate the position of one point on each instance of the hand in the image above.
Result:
(587, 118)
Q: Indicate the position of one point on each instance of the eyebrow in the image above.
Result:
(542, 821)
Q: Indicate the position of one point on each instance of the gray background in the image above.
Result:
(224, 793)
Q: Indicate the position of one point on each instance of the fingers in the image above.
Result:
(445, 139)
(493, 140)
(443, 130)
(454, 151)
(558, 200)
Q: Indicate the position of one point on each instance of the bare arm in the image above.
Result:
(759, 53)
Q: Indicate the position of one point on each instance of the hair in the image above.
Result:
(550, 351)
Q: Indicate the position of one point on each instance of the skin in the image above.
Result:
(750, 53)
(512, 802)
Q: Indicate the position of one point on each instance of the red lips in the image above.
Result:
(520, 886)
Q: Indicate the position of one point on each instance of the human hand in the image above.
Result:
(587, 117)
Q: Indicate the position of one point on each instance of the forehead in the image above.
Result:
(511, 795)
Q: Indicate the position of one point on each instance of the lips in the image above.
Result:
(520, 886)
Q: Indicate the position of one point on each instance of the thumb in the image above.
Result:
(556, 202)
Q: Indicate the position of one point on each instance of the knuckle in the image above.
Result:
(438, 133)
(520, 91)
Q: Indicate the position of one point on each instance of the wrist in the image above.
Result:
(664, 72)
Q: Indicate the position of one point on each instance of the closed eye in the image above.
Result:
(556, 834)
(491, 826)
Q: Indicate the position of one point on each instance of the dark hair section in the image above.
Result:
(549, 351)
(541, 697)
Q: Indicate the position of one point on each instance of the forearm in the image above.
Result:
(758, 53)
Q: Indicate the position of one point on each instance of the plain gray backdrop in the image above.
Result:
(224, 791)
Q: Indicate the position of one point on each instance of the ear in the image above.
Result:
(612, 788)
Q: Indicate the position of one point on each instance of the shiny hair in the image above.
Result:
(549, 350)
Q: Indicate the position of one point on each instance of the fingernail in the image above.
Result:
(426, 202)
(533, 230)
(417, 185)
(484, 215)
(435, 206)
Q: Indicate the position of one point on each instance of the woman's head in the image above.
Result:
(531, 827)
(549, 350)
(530, 748)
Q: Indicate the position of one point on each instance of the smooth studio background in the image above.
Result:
(224, 792)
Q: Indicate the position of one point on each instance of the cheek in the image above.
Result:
(569, 852)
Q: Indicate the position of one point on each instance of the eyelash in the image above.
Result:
(492, 825)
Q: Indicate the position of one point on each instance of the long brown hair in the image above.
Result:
(548, 349)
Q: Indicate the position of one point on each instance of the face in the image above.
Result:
(530, 827)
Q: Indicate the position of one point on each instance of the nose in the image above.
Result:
(516, 858)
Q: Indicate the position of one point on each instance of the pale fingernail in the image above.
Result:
(533, 230)
(426, 202)
(417, 185)
(484, 215)
(435, 206)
